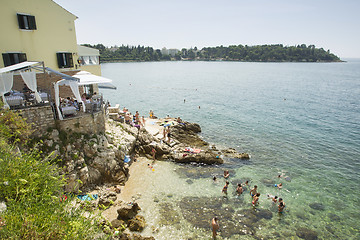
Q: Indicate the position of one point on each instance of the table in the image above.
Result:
(69, 110)
(14, 100)
(43, 95)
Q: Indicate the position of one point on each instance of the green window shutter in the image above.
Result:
(22, 57)
(6, 59)
(70, 60)
(60, 60)
(21, 21)
(32, 23)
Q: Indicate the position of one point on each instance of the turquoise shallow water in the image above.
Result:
(300, 119)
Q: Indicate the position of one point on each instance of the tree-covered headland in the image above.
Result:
(258, 53)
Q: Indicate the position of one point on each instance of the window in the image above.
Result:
(88, 60)
(13, 58)
(65, 60)
(26, 21)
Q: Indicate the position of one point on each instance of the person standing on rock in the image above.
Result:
(168, 134)
(164, 133)
(137, 117)
(214, 226)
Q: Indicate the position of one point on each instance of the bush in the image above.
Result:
(33, 192)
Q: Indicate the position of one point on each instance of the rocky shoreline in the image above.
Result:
(95, 164)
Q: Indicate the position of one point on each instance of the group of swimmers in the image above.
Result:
(240, 188)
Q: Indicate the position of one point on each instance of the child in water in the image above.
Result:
(224, 190)
(255, 200)
(226, 174)
(281, 207)
(273, 198)
(253, 191)
(239, 189)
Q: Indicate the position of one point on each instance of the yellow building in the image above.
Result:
(40, 30)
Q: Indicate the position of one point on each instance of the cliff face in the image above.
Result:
(92, 160)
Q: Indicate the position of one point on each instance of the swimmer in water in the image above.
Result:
(253, 191)
(278, 185)
(281, 207)
(224, 190)
(226, 174)
(214, 226)
(214, 179)
(255, 200)
(273, 198)
(239, 189)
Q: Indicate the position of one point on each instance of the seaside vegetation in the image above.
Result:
(32, 189)
(258, 53)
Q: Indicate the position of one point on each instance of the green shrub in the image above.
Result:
(33, 192)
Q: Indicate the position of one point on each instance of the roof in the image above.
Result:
(87, 51)
(18, 66)
(64, 9)
(87, 78)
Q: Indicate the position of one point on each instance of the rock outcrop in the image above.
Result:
(186, 146)
(128, 211)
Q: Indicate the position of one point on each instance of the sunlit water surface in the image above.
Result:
(301, 120)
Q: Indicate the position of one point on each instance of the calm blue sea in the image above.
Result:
(298, 119)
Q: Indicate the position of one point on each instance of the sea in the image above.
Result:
(297, 120)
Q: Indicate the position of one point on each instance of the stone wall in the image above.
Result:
(41, 118)
(86, 123)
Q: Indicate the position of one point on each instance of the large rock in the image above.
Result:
(207, 157)
(137, 224)
(186, 133)
(139, 237)
(306, 234)
(232, 153)
(107, 198)
(72, 183)
(128, 211)
(116, 223)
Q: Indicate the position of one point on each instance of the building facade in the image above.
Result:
(41, 30)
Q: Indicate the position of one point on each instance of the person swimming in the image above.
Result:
(253, 191)
(214, 226)
(273, 198)
(255, 200)
(224, 190)
(226, 174)
(239, 189)
(281, 207)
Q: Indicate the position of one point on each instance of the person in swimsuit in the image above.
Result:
(224, 190)
(137, 117)
(226, 174)
(214, 226)
(255, 200)
(273, 198)
(239, 189)
(281, 207)
(253, 191)
(153, 152)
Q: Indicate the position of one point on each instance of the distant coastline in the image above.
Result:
(237, 53)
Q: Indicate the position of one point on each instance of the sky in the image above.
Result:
(330, 24)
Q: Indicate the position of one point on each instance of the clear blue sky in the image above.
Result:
(330, 24)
